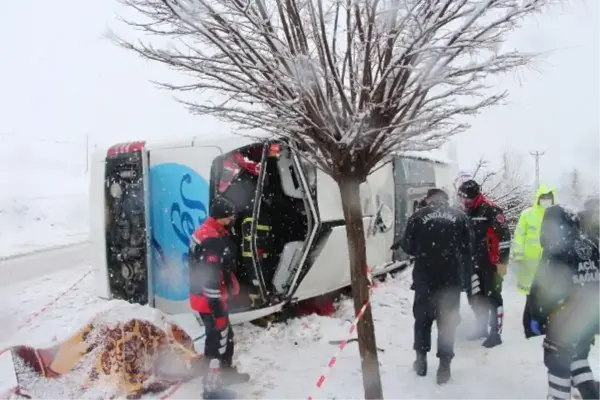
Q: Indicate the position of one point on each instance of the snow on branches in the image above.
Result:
(346, 80)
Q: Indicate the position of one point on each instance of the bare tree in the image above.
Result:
(504, 186)
(346, 82)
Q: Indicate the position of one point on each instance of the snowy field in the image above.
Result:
(44, 201)
(286, 359)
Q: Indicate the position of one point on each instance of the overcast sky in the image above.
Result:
(60, 78)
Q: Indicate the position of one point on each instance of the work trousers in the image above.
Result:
(442, 306)
(568, 366)
(218, 343)
(487, 304)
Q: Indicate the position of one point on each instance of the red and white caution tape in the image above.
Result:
(342, 345)
(17, 390)
(49, 305)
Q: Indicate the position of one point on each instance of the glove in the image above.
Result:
(475, 285)
(501, 269)
(535, 327)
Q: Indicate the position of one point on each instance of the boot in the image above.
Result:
(219, 394)
(492, 340)
(420, 364)
(443, 372)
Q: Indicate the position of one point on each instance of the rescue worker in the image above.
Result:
(438, 236)
(526, 249)
(590, 218)
(418, 204)
(212, 259)
(563, 304)
(491, 249)
(238, 180)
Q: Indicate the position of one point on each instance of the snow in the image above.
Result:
(286, 359)
(435, 155)
(44, 202)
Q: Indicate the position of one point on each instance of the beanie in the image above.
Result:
(469, 189)
(221, 207)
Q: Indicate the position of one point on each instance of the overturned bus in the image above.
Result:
(146, 201)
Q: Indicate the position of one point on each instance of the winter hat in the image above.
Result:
(221, 207)
(469, 189)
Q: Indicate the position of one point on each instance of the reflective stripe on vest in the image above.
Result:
(247, 252)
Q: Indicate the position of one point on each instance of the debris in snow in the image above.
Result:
(126, 349)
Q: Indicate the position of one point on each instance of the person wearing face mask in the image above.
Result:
(212, 257)
(526, 249)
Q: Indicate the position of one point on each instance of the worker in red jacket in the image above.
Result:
(212, 259)
(491, 249)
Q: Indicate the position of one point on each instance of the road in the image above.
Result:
(22, 267)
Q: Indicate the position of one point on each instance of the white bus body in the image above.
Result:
(146, 200)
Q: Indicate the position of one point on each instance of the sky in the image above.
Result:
(62, 82)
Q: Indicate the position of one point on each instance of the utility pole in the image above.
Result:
(537, 155)
(87, 152)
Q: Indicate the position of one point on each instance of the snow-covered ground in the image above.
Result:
(44, 196)
(286, 359)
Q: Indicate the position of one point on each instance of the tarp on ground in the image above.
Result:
(114, 355)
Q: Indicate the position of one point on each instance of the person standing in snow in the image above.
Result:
(563, 304)
(212, 282)
(526, 249)
(439, 238)
(491, 249)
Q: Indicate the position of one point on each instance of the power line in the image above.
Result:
(537, 154)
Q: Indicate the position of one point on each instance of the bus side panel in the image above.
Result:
(98, 228)
(179, 203)
(379, 231)
(412, 179)
(446, 176)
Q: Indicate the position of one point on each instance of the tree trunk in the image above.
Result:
(351, 204)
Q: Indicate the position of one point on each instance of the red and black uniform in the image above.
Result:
(212, 281)
(491, 246)
(238, 179)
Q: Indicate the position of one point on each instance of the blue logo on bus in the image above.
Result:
(178, 205)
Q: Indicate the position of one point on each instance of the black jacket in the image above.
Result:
(565, 293)
(439, 237)
(212, 257)
(590, 223)
(491, 234)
